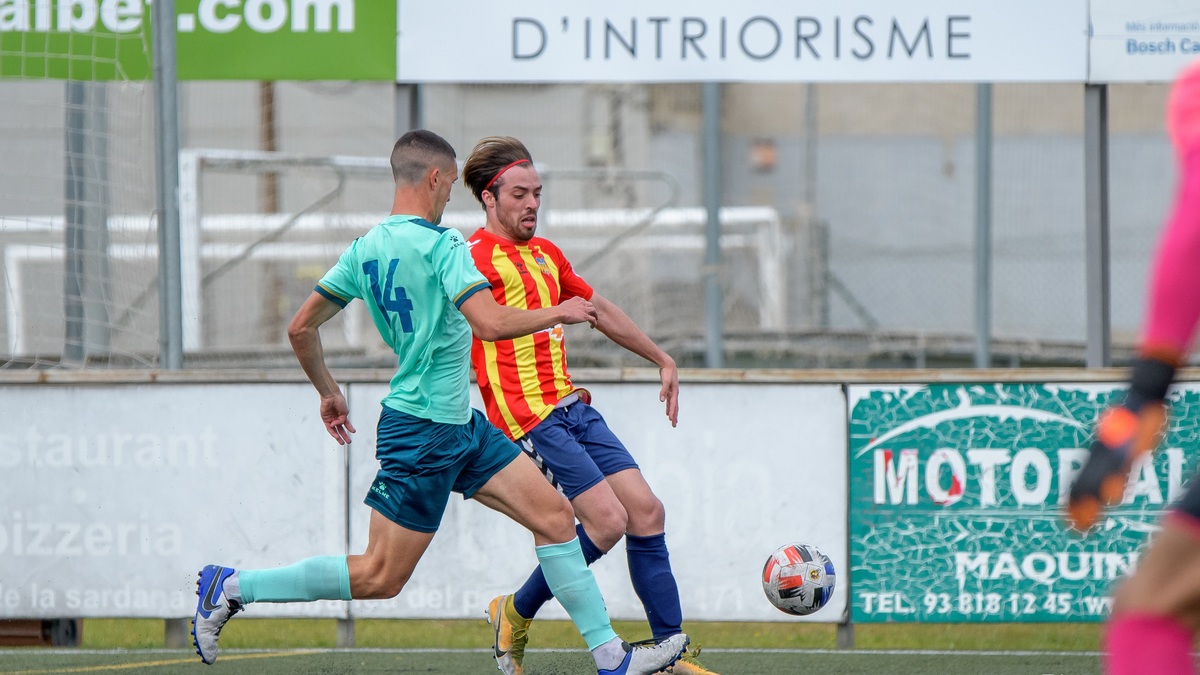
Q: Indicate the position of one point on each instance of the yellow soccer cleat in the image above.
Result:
(511, 633)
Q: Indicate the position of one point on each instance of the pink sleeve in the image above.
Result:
(1174, 302)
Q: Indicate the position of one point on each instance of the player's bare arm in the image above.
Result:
(492, 321)
(306, 343)
(618, 327)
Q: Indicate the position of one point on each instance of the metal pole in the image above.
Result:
(418, 106)
(86, 284)
(817, 241)
(166, 124)
(714, 350)
(76, 195)
(268, 140)
(1095, 159)
(409, 107)
(983, 225)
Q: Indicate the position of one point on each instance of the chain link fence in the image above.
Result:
(848, 221)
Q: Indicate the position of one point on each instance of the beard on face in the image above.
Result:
(512, 223)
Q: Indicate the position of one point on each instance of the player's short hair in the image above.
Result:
(416, 153)
(490, 157)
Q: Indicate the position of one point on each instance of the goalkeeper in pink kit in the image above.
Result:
(1156, 611)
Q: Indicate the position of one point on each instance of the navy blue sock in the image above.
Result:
(654, 583)
(529, 598)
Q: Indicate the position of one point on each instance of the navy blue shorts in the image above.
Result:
(575, 449)
(422, 462)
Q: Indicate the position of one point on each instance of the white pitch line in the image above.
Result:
(445, 650)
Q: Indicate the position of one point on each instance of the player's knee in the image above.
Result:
(386, 587)
(606, 524)
(557, 522)
(649, 518)
(1136, 595)
(378, 581)
(1121, 601)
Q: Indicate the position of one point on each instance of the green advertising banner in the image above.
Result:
(97, 40)
(956, 496)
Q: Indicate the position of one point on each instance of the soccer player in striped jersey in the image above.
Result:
(528, 393)
(423, 293)
(1156, 611)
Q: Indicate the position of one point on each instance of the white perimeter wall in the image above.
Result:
(113, 496)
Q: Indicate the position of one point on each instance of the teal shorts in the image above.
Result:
(422, 462)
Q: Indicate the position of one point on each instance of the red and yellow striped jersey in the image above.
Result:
(522, 379)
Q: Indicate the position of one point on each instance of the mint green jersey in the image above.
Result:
(414, 276)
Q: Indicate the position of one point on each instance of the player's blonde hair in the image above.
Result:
(489, 158)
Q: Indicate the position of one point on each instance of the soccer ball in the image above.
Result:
(798, 579)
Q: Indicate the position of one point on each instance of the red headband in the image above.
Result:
(501, 171)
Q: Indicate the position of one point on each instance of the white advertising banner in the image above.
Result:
(112, 498)
(748, 469)
(1143, 40)
(753, 41)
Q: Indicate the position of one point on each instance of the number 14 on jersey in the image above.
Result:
(389, 298)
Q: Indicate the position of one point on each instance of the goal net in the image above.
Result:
(244, 274)
(77, 190)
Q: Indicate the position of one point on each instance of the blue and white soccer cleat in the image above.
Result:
(213, 609)
(651, 658)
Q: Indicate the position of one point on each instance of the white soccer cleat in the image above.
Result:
(644, 659)
(213, 609)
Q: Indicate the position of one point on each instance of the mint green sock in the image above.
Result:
(321, 578)
(568, 576)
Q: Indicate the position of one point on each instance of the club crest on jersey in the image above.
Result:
(542, 264)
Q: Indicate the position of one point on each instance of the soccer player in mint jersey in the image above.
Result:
(1156, 611)
(528, 394)
(423, 293)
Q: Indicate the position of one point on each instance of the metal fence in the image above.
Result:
(864, 198)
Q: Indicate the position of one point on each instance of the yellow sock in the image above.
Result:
(510, 610)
